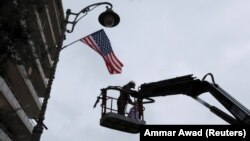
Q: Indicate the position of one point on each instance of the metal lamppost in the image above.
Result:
(107, 19)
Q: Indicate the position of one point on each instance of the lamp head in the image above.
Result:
(109, 18)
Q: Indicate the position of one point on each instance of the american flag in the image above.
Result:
(100, 43)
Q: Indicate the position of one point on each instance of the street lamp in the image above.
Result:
(107, 19)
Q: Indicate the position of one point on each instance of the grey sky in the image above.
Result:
(155, 41)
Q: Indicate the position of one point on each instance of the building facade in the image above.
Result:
(30, 33)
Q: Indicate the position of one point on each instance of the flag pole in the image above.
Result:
(70, 44)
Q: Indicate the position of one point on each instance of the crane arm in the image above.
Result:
(191, 86)
(187, 85)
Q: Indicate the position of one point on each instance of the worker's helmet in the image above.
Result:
(132, 84)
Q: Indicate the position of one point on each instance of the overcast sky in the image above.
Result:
(155, 40)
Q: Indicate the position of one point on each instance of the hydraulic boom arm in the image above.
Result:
(193, 87)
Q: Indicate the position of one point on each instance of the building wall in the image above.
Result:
(30, 33)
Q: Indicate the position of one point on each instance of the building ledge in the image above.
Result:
(4, 136)
(16, 119)
(19, 82)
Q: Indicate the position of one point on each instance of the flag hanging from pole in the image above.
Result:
(100, 43)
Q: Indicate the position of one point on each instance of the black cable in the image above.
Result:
(211, 75)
